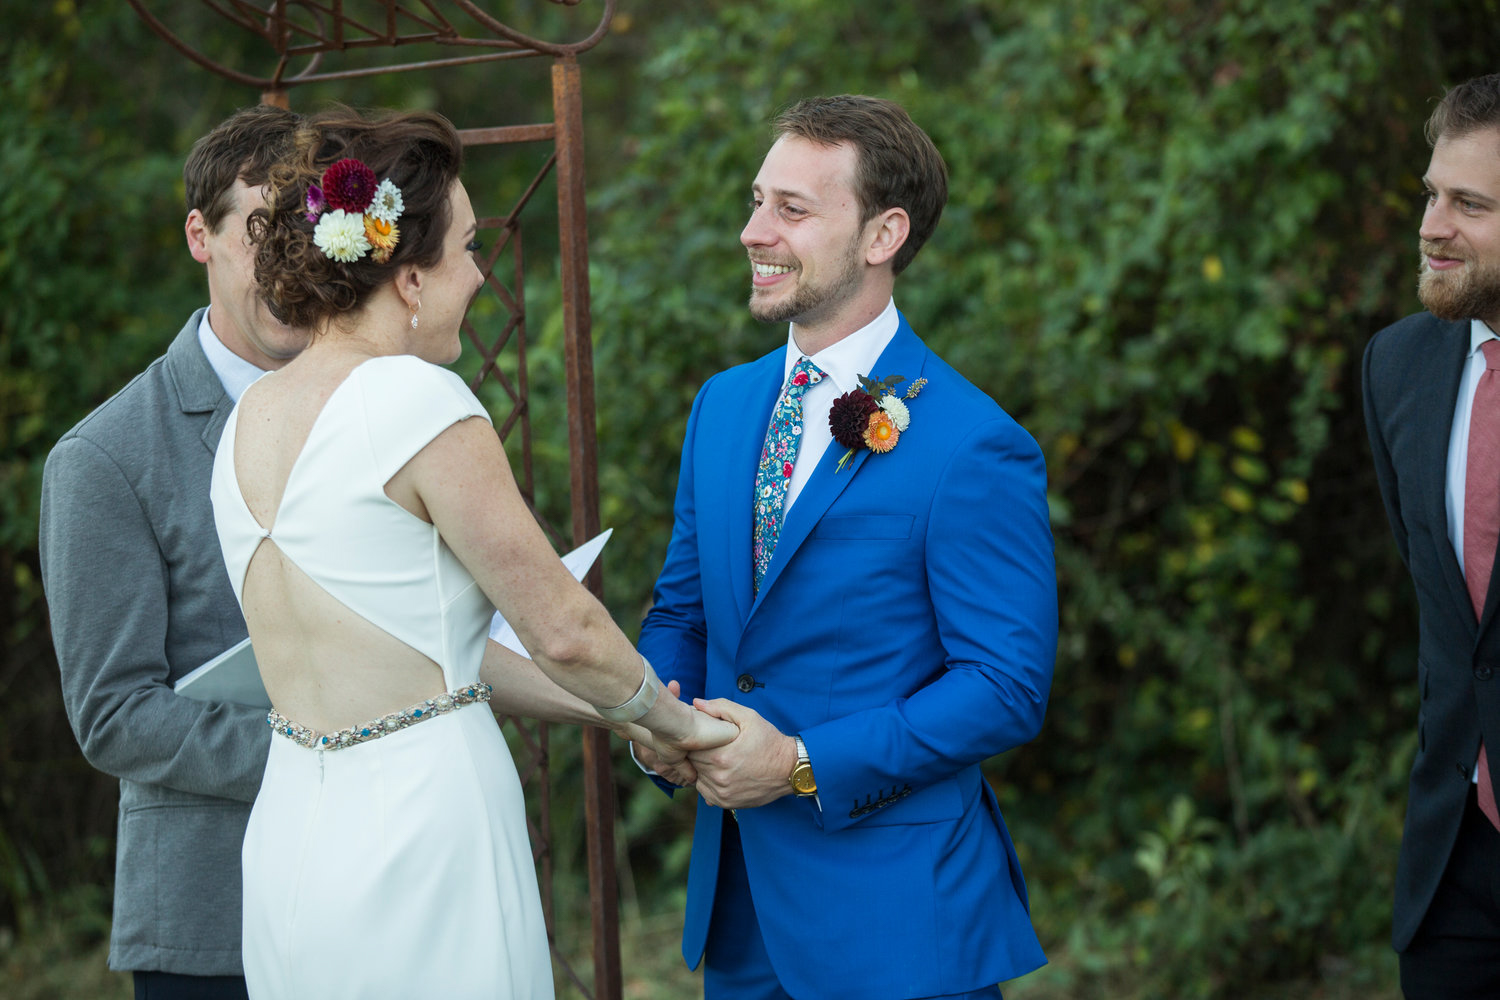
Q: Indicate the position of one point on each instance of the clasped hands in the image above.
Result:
(748, 769)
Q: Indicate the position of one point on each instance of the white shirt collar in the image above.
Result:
(847, 359)
(235, 373)
(1479, 332)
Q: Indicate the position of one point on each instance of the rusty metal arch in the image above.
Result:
(297, 30)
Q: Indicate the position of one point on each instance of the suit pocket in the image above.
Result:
(865, 526)
(178, 876)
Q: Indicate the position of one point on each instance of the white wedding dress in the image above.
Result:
(393, 859)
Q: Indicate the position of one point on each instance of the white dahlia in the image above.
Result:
(341, 236)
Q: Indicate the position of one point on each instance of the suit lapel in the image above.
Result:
(742, 461)
(905, 355)
(196, 383)
(1447, 363)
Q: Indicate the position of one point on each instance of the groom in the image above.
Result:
(861, 578)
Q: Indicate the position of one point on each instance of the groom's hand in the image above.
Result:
(750, 771)
(679, 773)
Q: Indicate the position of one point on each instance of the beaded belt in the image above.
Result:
(376, 728)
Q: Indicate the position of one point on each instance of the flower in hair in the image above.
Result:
(341, 236)
(352, 215)
(382, 237)
(349, 185)
(387, 205)
(316, 203)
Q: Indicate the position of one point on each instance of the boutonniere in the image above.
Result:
(872, 416)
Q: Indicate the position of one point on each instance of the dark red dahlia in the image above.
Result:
(849, 416)
(349, 185)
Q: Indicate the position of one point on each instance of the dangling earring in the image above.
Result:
(414, 314)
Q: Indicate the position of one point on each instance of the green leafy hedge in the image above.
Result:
(1173, 227)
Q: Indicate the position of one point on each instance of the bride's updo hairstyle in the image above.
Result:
(357, 196)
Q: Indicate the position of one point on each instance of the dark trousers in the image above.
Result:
(171, 986)
(1456, 952)
(735, 963)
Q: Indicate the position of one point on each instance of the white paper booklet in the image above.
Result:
(230, 676)
(234, 676)
(578, 562)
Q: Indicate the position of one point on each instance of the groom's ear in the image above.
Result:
(886, 233)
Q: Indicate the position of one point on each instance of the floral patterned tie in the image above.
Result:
(777, 457)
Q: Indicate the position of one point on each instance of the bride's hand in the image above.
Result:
(707, 732)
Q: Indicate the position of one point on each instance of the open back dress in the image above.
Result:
(389, 858)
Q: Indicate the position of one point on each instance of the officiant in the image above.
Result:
(138, 594)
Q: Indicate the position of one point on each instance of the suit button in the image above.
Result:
(1483, 673)
(745, 683)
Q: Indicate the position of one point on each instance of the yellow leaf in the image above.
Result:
(1213, 268)
(1246, 439)
(1184, 441)
(1237, 500)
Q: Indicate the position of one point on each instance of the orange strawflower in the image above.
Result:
(881, 434)
(382, 236)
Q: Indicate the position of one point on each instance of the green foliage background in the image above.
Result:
(1173, 227)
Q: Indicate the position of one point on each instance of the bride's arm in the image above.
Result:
(520, 688)
(461, 481)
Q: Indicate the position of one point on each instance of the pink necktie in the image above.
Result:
(1482, 518)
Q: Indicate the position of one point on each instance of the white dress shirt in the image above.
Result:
(842, 362)
(235, 373)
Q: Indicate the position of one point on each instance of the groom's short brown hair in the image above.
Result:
(896, 163)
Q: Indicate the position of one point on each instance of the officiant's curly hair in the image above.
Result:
(418, 151)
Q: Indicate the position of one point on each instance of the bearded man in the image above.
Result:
(1432, 410)
(861, 578)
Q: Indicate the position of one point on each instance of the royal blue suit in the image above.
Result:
(906, 629)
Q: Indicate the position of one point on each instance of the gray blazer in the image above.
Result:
(139, 596)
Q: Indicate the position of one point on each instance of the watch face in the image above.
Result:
(802, 780)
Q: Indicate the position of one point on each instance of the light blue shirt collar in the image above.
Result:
(235, 373)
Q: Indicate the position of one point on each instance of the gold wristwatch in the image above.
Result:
(801, 778)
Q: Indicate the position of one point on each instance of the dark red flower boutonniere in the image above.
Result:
(872, 416)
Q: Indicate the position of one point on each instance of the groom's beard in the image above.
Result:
(1468, 292)
(812, 302)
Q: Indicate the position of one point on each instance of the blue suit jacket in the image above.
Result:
(906, 628)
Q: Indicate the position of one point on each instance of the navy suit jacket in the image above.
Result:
(906, 629)
(1411, 378)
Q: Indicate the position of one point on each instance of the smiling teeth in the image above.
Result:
(767, 270)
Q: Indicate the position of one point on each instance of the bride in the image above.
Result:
(370, 524)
